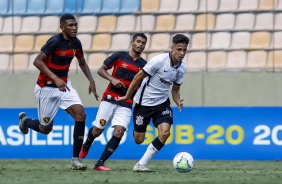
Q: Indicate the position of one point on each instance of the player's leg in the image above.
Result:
(71, 102)
(120, 122)
(141, 118)
(47, 100)
(162, 119)
(103, 117)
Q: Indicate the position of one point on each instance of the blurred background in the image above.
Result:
(234, 58)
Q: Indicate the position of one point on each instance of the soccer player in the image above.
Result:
(152, 98)
(54, 90)
(125, 66)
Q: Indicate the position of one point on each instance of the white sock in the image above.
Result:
(150, 152)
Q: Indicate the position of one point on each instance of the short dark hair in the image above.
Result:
(180, 38)
(66, 17)
(139, 34)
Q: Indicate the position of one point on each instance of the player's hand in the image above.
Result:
(92, 88)
(121, 99)
(61, 84)
(117, 83)
(180, 105)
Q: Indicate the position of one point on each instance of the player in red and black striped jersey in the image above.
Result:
(125, 66)
(54, 90)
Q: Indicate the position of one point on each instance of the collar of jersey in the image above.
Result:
(171, 63)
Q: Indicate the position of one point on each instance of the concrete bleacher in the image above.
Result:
(226, 35)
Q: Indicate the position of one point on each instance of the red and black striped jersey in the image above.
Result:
(59, 53)
(124, 68)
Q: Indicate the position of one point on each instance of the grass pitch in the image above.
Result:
(217, 172)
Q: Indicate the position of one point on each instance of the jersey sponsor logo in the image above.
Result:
(165, 82)
(102, 122)
(46, 119)
(139, 120)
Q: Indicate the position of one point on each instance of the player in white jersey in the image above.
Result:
(152, 98)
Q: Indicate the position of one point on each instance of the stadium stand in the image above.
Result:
(168, 6)
(216, 60)
(95, 60)
(49, 24)
(87, 23)
(73, 6)
(110, 6)
(35, 7)
(231, 29)
(165, 23)
(24, 43)
(6, 44)
(196, 61)
(54, 7)
(225, 21)
(236, 60)
(30, 24)
(106, 23)
(187, 6)
(125, 23)
(129, 6)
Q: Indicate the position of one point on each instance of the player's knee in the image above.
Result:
(97, 131)
(119, 131)
(46, 130)
(81, 116)
(164, 134)
(138, 140)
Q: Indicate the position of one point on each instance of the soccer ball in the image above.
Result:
(183, 162)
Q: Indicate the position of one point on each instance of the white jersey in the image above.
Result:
(162, 74)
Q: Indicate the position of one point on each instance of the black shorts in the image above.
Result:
(142, 115)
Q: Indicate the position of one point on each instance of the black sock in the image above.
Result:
(157, 144)
(33, 124)
(78, 135)
(108, 151)
(89, 141)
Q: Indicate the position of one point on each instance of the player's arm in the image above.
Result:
(85, 69)
(175, 92)
(133, 85)
(39, 63)
(103, 72)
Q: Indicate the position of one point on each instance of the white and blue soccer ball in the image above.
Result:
(183, 162)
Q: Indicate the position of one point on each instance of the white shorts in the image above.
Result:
(109, 112)
(49, 99)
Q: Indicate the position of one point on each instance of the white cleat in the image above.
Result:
(141, 168)
(77, 165)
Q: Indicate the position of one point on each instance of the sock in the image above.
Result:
(108, 151)
(152, 149)
(89, 141)
(33, 124)
(78, 135)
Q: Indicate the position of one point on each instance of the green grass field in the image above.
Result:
(57, 172)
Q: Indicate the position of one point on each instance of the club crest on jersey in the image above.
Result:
(139, 120)
(178, 74)
(102, 122)
(124, 65)
(46, 119)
